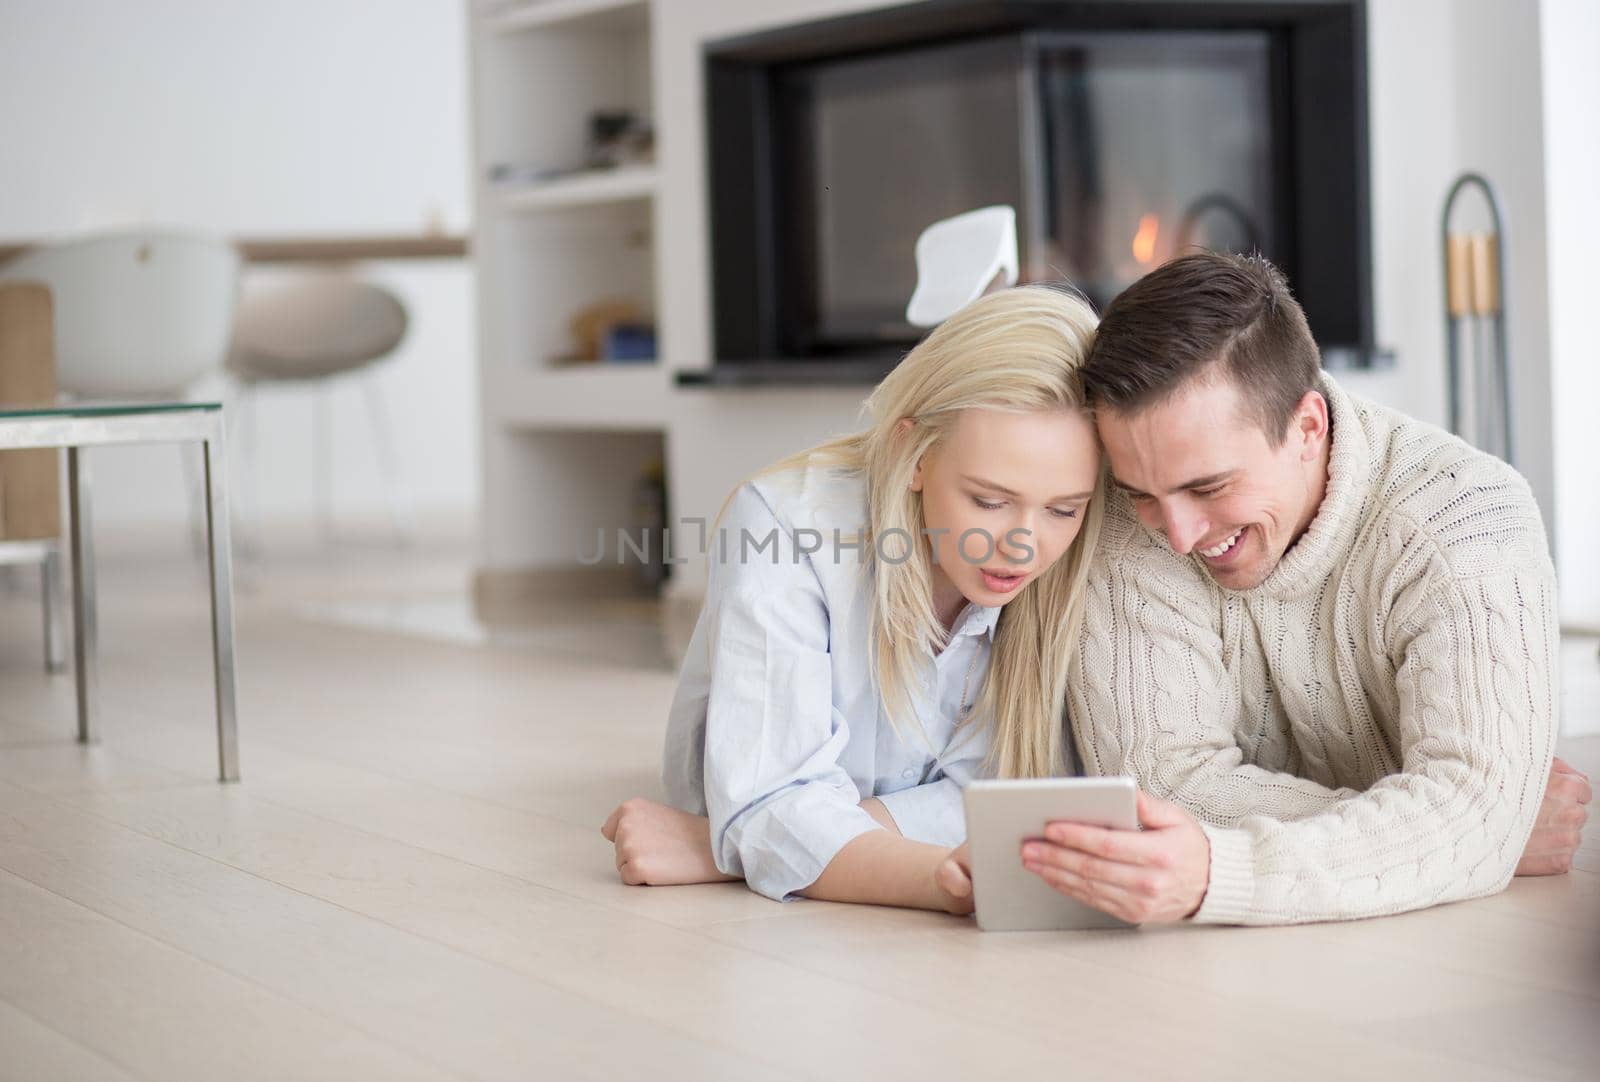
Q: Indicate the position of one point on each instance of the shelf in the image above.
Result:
(866, 372)
(1357, 358)
(747, 374)
(626, 184)
(614, 16)
(599, 395)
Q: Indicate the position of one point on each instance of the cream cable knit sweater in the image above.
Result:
(1369, 730)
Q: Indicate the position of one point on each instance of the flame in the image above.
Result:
(1144, 241)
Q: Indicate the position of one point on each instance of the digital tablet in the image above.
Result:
(1001, 815)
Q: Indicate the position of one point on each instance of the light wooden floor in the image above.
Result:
(409, 883)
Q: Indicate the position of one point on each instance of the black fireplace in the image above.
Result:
(1124, 132)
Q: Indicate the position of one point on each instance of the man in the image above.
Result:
(1323, 634)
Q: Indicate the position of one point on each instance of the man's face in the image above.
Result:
(1199, 468)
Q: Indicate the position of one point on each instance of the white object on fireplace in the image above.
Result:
(958, 259)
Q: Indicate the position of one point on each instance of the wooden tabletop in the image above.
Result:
(324, 249)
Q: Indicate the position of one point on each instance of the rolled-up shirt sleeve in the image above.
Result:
(932, 812)
(781, 806)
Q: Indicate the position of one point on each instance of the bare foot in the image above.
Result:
(661, 846)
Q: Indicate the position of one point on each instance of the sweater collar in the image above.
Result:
(1308, 563)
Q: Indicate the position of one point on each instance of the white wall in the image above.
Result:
(1452, 85)
(1513, 91)
(1570, 33)
(263, 119)
(1411, 125)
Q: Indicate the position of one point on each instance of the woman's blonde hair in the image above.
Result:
(1017, 350)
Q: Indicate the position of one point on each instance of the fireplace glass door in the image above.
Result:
(1119, 150)
(1155, 144)
(882, 147)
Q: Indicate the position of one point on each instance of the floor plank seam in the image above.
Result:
(540, 817)
(45, 1023)
(230, 974)
(420, 937)
(1242, 1000)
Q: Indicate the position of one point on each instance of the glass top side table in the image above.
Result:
(79, 426)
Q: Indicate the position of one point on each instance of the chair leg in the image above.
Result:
(323, 481)
(53, 596)
(402, 516)
(85, 622)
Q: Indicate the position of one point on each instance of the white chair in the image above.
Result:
(959, 259)
(311, 328)
(141, 314)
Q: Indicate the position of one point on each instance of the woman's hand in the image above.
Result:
(660, 846)
(954, 880)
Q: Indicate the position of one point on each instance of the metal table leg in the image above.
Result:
(220, 553)
(55, 650)
(84, 631)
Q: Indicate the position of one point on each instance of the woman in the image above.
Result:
(887, 615)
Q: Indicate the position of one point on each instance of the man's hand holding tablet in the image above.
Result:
(1155, 875)
(1069, 853)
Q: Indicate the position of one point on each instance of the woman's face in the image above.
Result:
(1003, 497)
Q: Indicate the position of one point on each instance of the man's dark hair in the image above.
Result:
(1202, 315)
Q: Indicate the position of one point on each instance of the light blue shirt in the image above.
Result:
(777, 730)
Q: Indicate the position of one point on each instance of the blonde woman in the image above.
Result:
(888, 615)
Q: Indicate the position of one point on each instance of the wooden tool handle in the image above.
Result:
(1485, 274)
(1457, 275)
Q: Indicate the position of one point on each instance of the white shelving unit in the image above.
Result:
(589, 189)
(566, 439)
(592, 397)
(518, 15)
